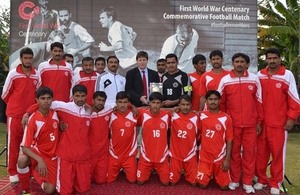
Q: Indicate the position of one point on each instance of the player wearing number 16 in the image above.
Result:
(123, 144)
(154, 147)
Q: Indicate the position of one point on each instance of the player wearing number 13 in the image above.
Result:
(154, 148)
(216, 143)
(184, 130)
(123, 144)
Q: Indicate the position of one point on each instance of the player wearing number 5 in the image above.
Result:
(184, 130)
(154, 148)
(123, 144)
(216, 143)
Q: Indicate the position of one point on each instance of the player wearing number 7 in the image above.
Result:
(184, 130)
(154, 149)
(123, 144)
(216, 143)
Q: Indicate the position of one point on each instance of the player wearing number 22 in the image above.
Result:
(123, 144)
(183, 147)
(154, 147)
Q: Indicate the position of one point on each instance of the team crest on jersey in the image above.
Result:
(35, 82)
(175, 85)
(88, 123)
(55, 125)
(278, 85)
(106, 118)
(66, 73)
(127, 124)
(250, 87)
(162, 125)
(218, 127)
(189, 126)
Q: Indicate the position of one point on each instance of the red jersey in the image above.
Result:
(41, 133)
(58, 77)
(98, 133)
(210, 81)
(89, 81)
(195, 80)
(74, 143)
(154, 146)
(241, 98)
(184, 130)
(280, 97)
(19, 91)
(123, 141)
(216, 130)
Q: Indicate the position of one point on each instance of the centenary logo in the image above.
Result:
(189, 126)
(127, 124)
(55, 125)
(162, 125)
(175, 85)
(106, 118)
(35, 82)
(28, 9)
(278, 85)
(218, 127)
(66, 73)
(250, 87)
(88, 123)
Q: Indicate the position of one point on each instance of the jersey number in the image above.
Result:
(200, 175)
(169, 91)
(181, 134)
(52, 137)
(122, 131)
(156, 133)
(210, 133)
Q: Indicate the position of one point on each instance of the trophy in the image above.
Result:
(156, 87)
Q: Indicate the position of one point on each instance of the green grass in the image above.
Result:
(292, 159)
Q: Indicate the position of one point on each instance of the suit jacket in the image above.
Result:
(134, 86)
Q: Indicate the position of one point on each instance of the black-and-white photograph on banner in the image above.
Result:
(112, 27)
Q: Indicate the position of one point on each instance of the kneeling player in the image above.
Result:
(154, 148)
(184, 130)
(216, 143)
(39, 144)
(123, 144)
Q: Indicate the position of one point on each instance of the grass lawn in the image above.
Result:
(292, 159)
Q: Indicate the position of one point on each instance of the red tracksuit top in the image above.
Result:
(19, 91)
(57, 77)
(241, 98)
(74, 143)
(280, 97)
(89, 81)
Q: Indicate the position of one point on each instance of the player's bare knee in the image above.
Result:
(202, 186)
(165, 183)
(49, 188)
(224, 188)
(140, 182)
(23, 161)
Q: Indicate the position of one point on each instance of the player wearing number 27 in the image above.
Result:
(216, 143)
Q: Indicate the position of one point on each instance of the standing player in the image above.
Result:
(216, 143)
(57, 74)
(87, 77)
(175, 82)
(241, 99)
(18, 93)
(123, 144)
(183, 147)
(161, 68)
(154, 148)
(98, 137)
(210, 80)
(281, 108)
(39, 145)
(199, 62)
(100, 65)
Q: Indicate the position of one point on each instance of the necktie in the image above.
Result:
(144, 84)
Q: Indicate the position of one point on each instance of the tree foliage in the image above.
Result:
(278, 26)
(4, 44)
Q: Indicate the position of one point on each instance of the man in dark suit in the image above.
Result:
(138, 80)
